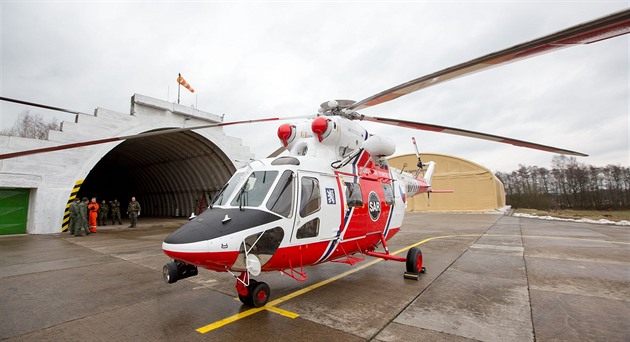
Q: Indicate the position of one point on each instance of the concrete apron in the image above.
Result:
(489, 278)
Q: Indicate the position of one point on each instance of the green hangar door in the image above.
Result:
(13, 211)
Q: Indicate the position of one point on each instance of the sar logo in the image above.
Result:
(374, 206)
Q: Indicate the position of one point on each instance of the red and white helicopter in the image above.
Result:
(331, 195)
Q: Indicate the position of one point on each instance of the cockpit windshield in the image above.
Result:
(255, 189)
(226, 192)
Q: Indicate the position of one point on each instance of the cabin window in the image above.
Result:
(309, 229)
(228, 188)
(255, 189)
(389, 193)
(281, 199)
(354, 197)
(310, 198)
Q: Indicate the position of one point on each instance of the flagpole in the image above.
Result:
(179, 85)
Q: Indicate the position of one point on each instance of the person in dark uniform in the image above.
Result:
(133, 210)
(115, 211)
(103, 211)
(75, 215)
(83, 218)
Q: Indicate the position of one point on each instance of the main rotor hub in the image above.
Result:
(340, 108)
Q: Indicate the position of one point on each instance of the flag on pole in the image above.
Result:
(183, 82)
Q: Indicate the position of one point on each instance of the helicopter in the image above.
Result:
(332, 195)
(328, 194)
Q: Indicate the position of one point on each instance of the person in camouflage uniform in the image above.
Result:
(75, 215)
(82, 222)
(133, 210)
(103, 210)
(115, 211)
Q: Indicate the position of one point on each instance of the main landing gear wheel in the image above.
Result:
(414, 264)
(258, 294)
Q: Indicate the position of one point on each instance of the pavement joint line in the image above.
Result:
(529, 289)
(271, 306)
(559, 237)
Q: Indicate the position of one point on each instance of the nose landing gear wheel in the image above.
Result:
(169, 272)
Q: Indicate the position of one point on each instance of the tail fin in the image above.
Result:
(428, 175)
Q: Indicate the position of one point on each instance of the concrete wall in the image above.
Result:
(52, 176)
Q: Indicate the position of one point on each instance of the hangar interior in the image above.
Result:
(170, 175)
(475, 188)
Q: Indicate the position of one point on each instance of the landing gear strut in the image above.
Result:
(252, 292)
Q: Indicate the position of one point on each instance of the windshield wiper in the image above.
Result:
(242, 198)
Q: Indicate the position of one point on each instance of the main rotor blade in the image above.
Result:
(2, 98)
(610, 26)
(471, 134)
(140, 135)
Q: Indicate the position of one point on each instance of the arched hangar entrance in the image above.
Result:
(168, 174)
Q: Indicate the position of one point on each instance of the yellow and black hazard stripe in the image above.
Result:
(73, 195)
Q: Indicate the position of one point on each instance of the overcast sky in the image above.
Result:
(267, 59)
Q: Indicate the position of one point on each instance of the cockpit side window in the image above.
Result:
(310, 198)
(228, 188)
(281, 199)
(256, 187)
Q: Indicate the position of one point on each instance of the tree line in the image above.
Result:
(568, 185)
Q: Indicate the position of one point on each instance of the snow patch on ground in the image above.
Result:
(551, 218)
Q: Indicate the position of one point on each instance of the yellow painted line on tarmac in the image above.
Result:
(229, 320)
(284, 313)
(271, 306)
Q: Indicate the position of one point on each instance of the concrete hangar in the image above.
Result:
(170, 174)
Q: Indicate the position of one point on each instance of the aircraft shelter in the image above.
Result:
(170, 175)
(475, 188)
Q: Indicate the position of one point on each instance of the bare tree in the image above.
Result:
(31, 126)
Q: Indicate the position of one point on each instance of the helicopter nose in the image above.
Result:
(185, 243)
(184, 235)
(191, 244)
(212, 239)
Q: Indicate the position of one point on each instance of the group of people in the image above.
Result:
(87, 215)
